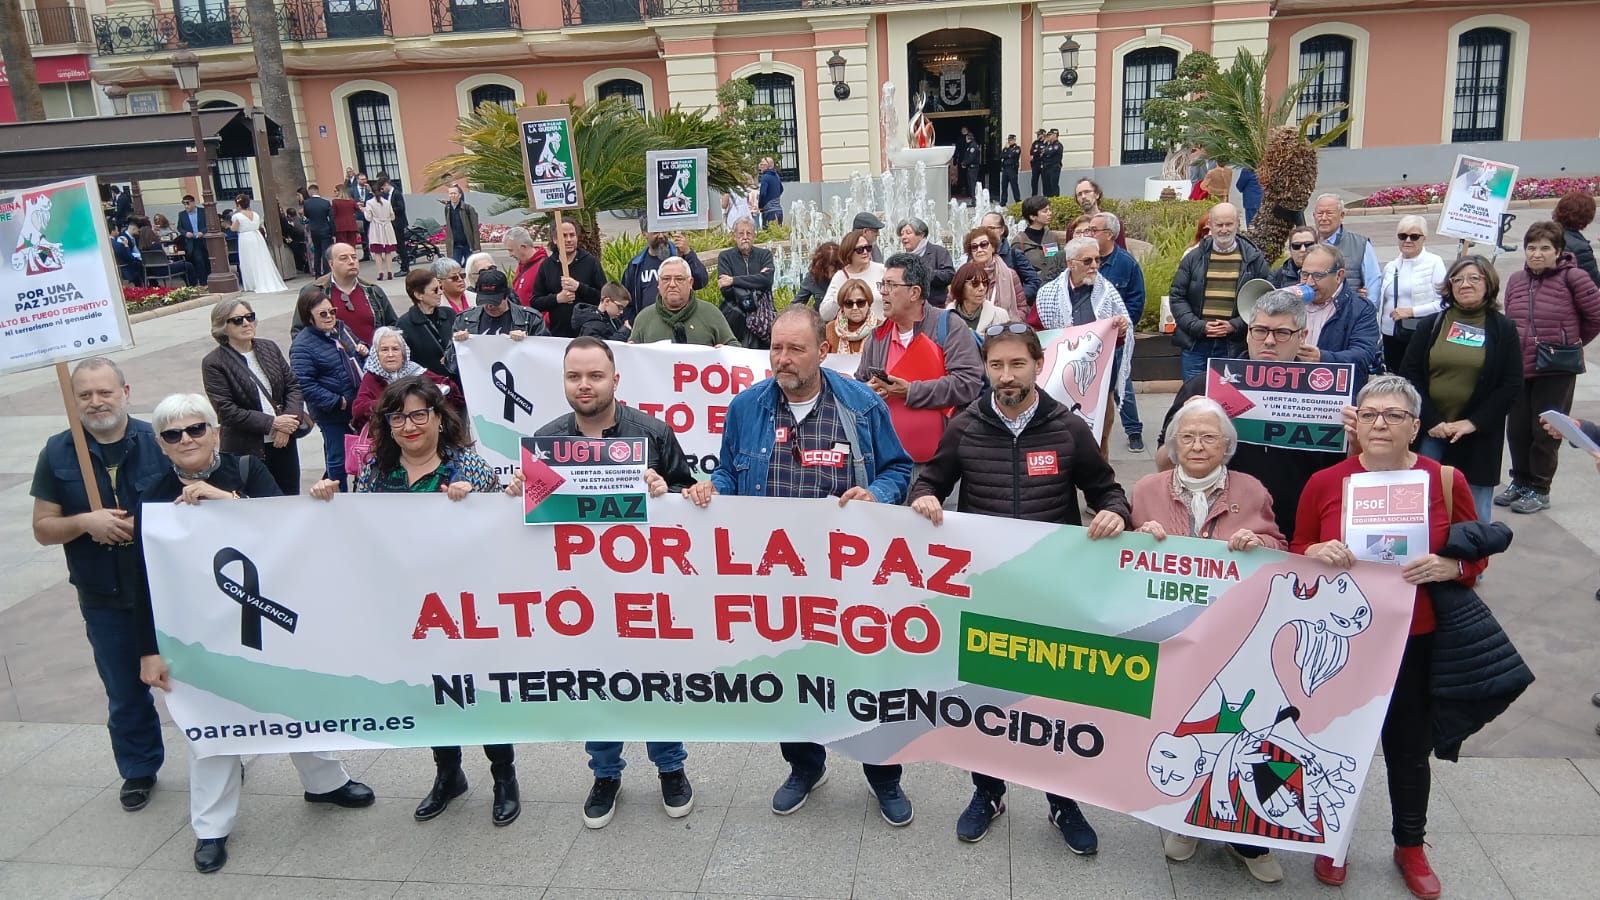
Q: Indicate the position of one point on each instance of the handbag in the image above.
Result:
(357, 450)
(1551, 358)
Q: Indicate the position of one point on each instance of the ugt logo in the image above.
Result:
(247, 593)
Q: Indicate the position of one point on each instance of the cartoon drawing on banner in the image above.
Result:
(1084, 357)
(676, 199)
(35, 252)
(550, 164)
(1241, 742)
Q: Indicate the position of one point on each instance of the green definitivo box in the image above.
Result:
(1076, 666)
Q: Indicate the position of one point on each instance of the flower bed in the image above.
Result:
(143, 299)
(1526, 189)
(488, 233)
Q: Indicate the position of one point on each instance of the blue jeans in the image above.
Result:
(605, 757)
(132, 719)
(333, 451)
(1130, 406)
(459, 253)
(810, 759)
(1195, 358)
(1482, 494)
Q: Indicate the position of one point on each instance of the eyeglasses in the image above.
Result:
(323, 314)
(1314, 276)
(197, 431)
(1464, 280)
(854, 304)
(1013, 327)
(864, 248)
(980, 245)
(1409, 237)
(1392, 416)
(240, 320)
(1083, 232)
(885, 286)
(1262, 332)
(1302, 245)
(1188, 439)
(415, 417)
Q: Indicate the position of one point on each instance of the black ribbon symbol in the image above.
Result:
(253, 606)
(508, 387)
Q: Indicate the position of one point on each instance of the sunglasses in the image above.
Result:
(854, 304)
(981, 245)
(197, 431)
(1409, 237)
(240, 320)
(1302, 245)
(323, 314)
(1013, 327)
(862, 249)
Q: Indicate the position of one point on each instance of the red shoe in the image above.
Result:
(1414, 868)
(1328, 873)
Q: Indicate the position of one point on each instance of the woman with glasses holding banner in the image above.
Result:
(1411, 285)
(421, 446)
(1201, 497)
(200, 472)
(1466, 362)
(255, 394)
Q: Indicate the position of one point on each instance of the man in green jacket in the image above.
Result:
(679, 317)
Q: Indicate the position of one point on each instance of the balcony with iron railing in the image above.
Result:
(454, 16)
(615, 12)
(55, 25)
(298, 21)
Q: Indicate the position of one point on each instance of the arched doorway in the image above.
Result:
(958, 71)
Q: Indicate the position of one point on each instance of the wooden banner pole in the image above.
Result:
(80, 442)
(561, 251)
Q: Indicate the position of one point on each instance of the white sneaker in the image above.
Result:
(1263, 868)
(1179, 847)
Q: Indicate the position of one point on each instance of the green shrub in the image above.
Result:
(618, 251)
(1168, 242)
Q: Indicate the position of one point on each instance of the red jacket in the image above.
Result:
(372, 390)
(1560, 305)
(522, 284)
(1242, 503)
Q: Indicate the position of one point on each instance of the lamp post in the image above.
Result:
(222, 281)
(1069, 61)
(836, 63)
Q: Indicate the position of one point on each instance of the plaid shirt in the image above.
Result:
(810, 460)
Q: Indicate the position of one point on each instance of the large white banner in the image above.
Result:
(514, 387)
(60, 297)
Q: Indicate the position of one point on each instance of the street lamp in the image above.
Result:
(841, 90)
(1069, 61)
(222, 281)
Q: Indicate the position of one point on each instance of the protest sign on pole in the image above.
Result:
(864, 627)
(550, 164)
(1297, 405)
(1479, 192)
(677, 190)
(62, 297)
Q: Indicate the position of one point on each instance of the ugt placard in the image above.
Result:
(677, 188)
(549, 160)
(62, 298)
(1298, 405)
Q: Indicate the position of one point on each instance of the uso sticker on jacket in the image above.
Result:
(1043, 462)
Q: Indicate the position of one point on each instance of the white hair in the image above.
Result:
(744, 220)
(1081, 243)
(444, 267)
(1113, 223)
(516, 235)
(175, 407)
(476, 263)
(1201, 406)
(1330, 196)
(674, 260)
(1412, 222)
(1392, 386)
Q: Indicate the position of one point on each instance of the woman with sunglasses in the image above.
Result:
(969, 297)
(255, 393)
(1386, 426)
(855, 262)
(1466, 362)
(421, 446)
(199, 472)
(1301, 240)
(859, 313)
(1411, 285)
(452, 284)
(328, 360)
(429, 323)
(1005, 288)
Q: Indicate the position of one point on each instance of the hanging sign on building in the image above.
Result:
(549, 159)
(676, 190)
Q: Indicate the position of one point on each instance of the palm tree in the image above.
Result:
(267, 45)
(610, 138)
(18, 59)
(1237, 121)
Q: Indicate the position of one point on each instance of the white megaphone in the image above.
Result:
(1256, 288)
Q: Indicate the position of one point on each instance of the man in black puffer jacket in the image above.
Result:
(1021, 454)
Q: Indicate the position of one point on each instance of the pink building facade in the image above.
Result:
(379, 84)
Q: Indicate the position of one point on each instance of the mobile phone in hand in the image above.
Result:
(879, 374)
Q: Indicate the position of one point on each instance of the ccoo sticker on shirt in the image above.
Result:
(1043, 462)
(781, 436)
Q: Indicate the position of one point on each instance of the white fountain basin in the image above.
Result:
(908, 157)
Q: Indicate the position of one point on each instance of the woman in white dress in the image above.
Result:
(380, 230)
(257, 270)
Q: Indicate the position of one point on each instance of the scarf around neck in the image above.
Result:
(1196, 494)
(407, 368)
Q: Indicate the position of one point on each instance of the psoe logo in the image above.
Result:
(36, 254)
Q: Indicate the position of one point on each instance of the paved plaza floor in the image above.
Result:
(1519, 816)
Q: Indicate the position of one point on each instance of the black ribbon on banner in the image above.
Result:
(508, 387)
(253, 606)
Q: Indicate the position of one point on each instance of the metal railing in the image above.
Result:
(57, 25)
(613, 12)
(476, 15)
(298, 20)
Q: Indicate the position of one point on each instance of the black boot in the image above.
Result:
(448, 785)
(507, 798)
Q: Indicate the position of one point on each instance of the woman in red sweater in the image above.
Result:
(1387, 411)
(389, 362)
